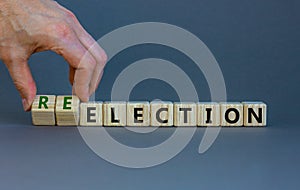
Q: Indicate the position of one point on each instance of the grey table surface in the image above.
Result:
(256, 44)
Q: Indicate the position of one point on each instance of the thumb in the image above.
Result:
(23, 80)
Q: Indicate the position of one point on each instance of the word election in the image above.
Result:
(68, 111)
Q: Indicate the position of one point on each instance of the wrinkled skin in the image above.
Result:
(30, 26)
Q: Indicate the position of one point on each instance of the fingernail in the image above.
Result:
(25, 104)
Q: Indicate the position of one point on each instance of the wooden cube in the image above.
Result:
(231, 114)
(91, 114)
(161, 113)
(255, 114)
(43, 110)
(208, 114)
(185, 114)
(138, 114)
(67, 110)
(114, 113)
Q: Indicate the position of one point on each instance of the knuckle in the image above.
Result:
(20, 85)
(89, 61)
(70, 15)
(26, 88)
(62, 30)
(88, 64)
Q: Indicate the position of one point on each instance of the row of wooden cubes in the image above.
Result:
(68, 111)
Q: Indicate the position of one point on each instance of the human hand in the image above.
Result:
(30, 26)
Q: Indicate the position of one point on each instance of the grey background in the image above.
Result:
(257, 46)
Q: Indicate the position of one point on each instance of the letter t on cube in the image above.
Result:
(185, 114)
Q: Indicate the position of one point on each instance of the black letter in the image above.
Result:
(208, 115)
(237, 115)
(113, 120)
(136, 115)
(185, 119)
(158, 114)
(257, 117)
(89, 114)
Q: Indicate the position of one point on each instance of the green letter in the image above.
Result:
(66, 103)
(43, 101)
